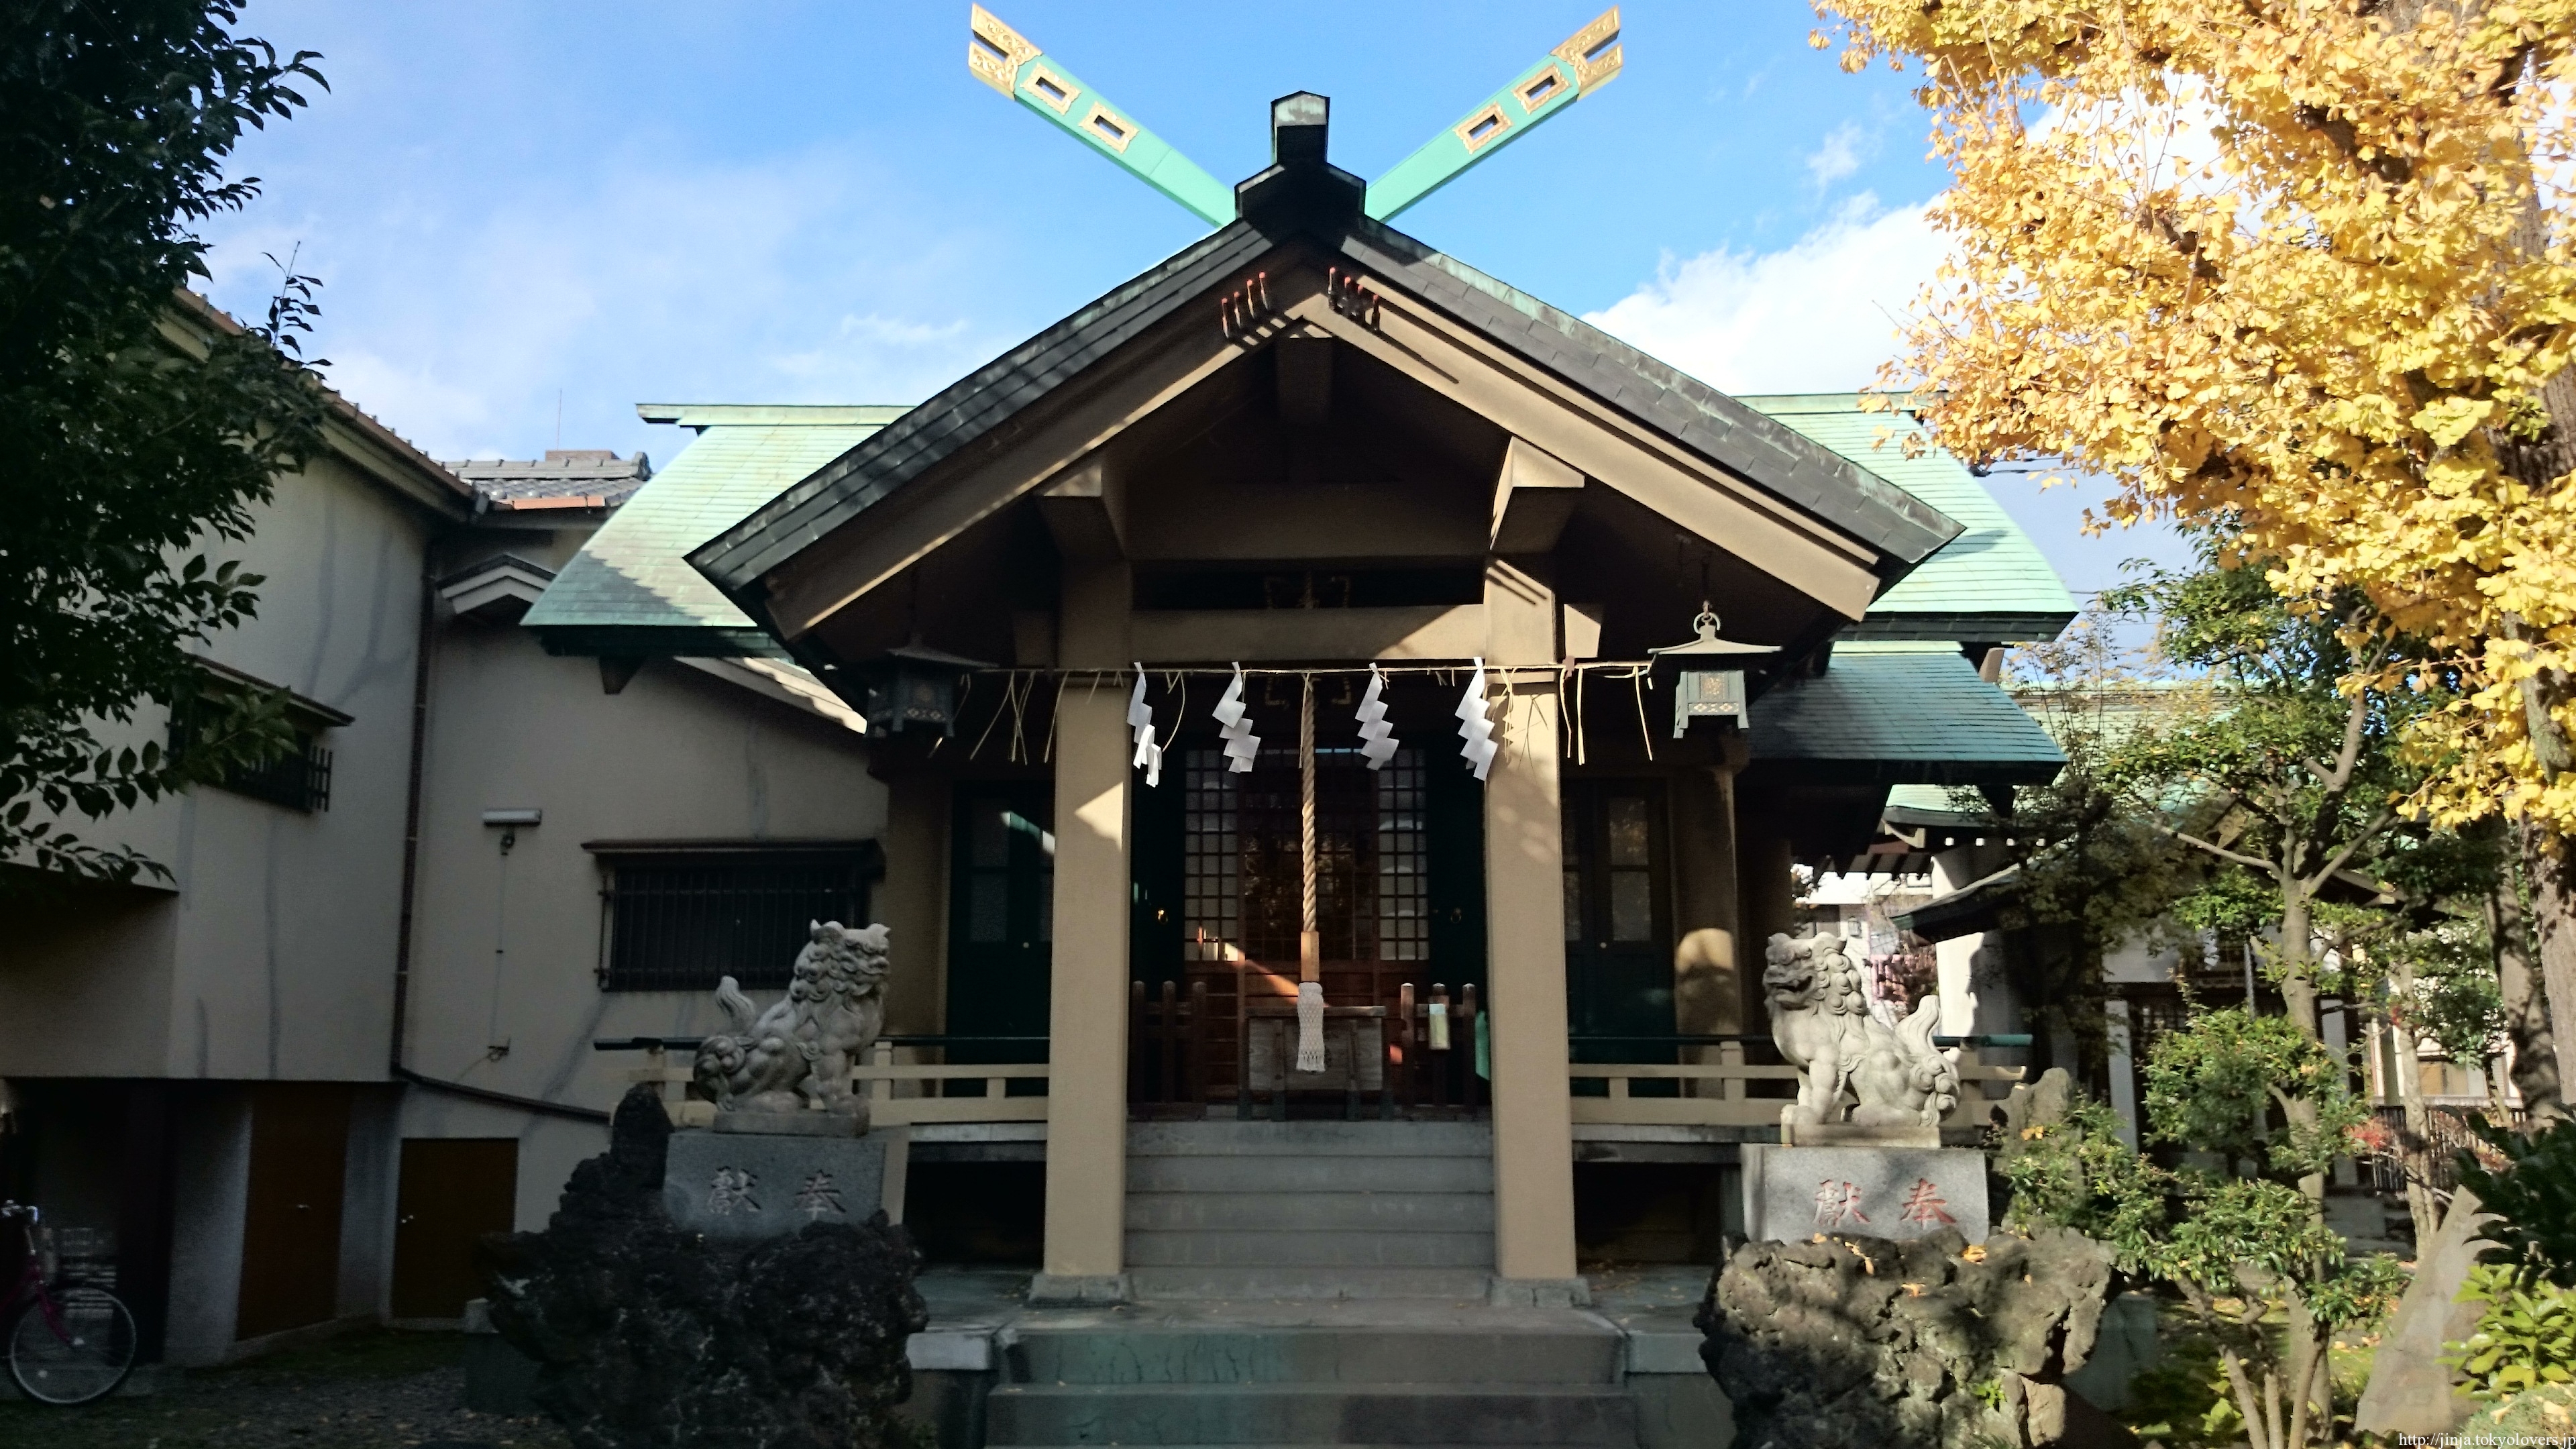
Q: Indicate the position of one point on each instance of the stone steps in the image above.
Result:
(1377, 1344)
(1592, 1415)
(1309, 1210)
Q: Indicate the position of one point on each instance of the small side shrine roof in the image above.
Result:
(1899, 714)
(630, 589)
(1990, 584)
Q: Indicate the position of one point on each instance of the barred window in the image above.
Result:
(677, 917)
(299, 778)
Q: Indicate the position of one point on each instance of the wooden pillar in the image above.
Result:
(1709, 949)
(1525, 965)
(1087, 1009)
(912, 901)
(1767, 896)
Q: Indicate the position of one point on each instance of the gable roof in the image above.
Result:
(1990, 584)
(629, 590)
(1770, 455)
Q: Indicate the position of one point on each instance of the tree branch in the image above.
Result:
(2379, 822)
(2223, 853)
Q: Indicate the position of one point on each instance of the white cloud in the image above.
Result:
(1817, 316)
(1838, 157)
(457, 315)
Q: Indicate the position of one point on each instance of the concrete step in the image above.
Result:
(1311, 1139)
(1297, 1247)
(1492, 1346)
(1307, 1284)
(1269, 1173)
(1596, 1416)
(1444, 1212)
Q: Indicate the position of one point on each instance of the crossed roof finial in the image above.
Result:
(1010, 63)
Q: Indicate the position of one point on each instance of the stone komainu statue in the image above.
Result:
(798, 1054)
(1820, 1020)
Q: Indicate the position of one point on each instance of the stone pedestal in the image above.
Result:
(739, 1186)
(1793, 1193)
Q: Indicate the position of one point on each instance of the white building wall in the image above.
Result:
(677, 755)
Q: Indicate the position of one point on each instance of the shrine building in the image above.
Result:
(1120, 610)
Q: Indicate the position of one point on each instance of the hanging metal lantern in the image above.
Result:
(913, 688)
(1704, 688)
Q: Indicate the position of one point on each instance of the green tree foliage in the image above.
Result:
(2091, 866)
(2532, 1192)
(2242, 1246)
(2526, 1334)
(2252, 1089)
(2284, 781)
(142, 430)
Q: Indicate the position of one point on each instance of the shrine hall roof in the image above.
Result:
(1769, 454)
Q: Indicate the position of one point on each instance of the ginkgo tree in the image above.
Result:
(2304, 267)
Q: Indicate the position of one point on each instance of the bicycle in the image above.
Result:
(68, 1342)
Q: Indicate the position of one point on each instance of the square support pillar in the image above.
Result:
(1709, 948)
(1525, 965)
(911, 904)
(1086, 1181)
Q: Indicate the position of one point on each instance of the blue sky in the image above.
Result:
(519, 209)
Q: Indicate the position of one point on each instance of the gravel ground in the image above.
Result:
(380, 1390)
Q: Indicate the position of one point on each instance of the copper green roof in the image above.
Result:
(1892, 713)
(630, 589)
(1989, 585)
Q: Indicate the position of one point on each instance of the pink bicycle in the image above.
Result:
(68, 1342)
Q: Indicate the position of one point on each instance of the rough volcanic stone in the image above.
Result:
(1866, 1343)
(737, 1187)
(651, 1336)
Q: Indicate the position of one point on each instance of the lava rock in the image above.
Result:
(1864, 1343)
(648, 1336)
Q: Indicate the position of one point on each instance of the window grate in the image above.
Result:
(679, 922)
(299, 778)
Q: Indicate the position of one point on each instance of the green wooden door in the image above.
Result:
(1618, 949)
(1001, 917)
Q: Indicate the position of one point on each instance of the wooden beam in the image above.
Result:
(1085, 507)
(1533, 497)
(1207, 636)
(1613, 449)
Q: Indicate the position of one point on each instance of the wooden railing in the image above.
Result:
(883, 1076)
(1714, 1094)
(899, 1093)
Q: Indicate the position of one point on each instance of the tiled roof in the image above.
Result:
(1773, 457)
(586, 473)
(1899, 714)
(630, 584)
(1780, 460)
(1989, 584)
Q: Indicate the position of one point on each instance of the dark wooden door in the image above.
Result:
(299, 1153)
(1618, 951)
(453, 1191)
(1001, 920)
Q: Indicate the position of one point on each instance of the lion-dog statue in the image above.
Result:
(797, 1055)
(1821, 1022)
